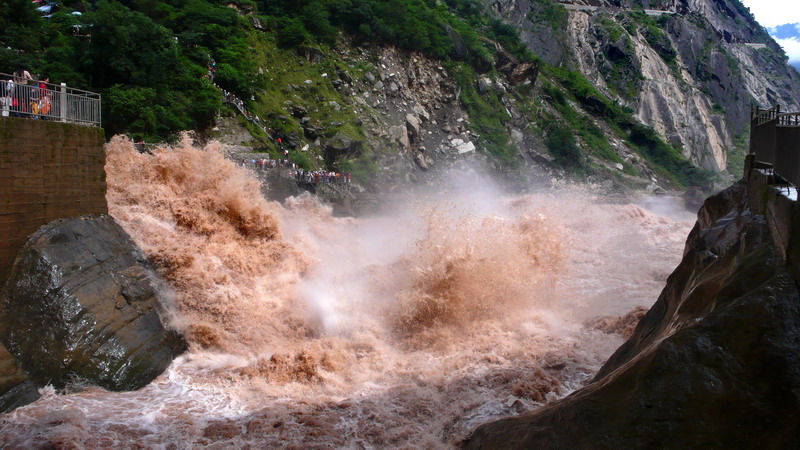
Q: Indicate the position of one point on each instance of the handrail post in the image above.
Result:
(63, 102)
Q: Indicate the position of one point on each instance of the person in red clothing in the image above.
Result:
(44, 105)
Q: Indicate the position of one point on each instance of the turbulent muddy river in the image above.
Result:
(404, 330)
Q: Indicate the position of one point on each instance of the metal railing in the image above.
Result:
(789, 120)
(333, 189)
(762, 133)
(775, 142)
(51, 102)
(326, 186)
(760, 116)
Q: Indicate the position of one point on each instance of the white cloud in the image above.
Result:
(792, 48)
(771, 13)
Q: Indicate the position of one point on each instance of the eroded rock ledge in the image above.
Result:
(715, 363)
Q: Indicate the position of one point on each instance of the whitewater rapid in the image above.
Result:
(403, 330)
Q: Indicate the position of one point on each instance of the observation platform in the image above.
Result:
(51, 102)
(772, 173)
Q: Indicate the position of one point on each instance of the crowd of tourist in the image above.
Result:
(230, 97)
(321, 176)
(22, 96)
(236, 101)
(299, 174)
(266, 163)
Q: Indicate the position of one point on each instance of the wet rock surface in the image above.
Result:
(714, 363)
(81, 305)
(16, 389)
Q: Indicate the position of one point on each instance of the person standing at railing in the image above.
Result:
(37, 93)
(43, 80)
(45, 104)
(6, 96)
(21, 78)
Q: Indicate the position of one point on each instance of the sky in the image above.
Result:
(771, 13)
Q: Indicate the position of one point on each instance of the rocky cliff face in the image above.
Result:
(413, 116)
(688, 69)
(81, 306)
(691, 72)
(712, 364)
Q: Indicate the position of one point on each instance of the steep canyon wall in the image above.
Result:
(690, 73)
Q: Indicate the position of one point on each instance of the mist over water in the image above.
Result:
(406, 329)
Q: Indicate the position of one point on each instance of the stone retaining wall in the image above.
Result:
(48, 170)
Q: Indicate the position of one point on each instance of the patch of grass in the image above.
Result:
(560, 141)
(285, 74)
(703, 70)
(302, 159)
(596, 141)
(581, 123)
(487, 116)
(623, 76)
(669, 159)
(550, 12)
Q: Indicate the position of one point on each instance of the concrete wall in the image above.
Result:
(48, 170)
(768, 195)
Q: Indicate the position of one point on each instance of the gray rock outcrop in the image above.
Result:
(689, 73)
(82, 305)
(713, 364)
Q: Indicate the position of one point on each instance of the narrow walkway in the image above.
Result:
(610, 9)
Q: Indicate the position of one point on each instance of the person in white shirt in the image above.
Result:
(21, 78)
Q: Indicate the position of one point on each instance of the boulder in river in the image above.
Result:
(83, 305)
(16, 389)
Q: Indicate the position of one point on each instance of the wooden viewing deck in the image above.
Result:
(775, 142)
(772, 174)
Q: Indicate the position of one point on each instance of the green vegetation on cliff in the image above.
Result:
(488, 116)
(151, 60)
(642, 138)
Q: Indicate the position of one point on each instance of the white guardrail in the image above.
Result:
(51, 102)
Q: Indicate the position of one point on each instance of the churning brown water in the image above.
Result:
(405, 330)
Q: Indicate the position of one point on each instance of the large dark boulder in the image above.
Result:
(81, 305)
(16, 389)
(714, 364)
